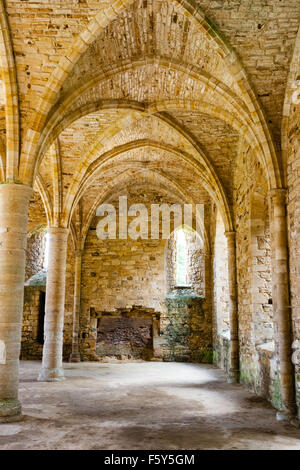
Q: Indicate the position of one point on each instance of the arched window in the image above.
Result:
(185, 261)
(181, 258)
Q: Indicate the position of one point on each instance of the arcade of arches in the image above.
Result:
(165, 102)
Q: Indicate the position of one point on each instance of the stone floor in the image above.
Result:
(142, 406)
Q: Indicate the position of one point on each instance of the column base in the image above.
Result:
(10, 411)
(295, 422)
(285, 416)
(51, 375)
(74, 357)
(233, 376)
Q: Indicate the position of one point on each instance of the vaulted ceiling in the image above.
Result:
(143, 91)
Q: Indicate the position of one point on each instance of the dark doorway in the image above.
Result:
(41, 318)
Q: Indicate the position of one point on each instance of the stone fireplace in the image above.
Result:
(126, 333)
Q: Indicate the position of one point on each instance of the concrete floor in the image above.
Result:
(142, 406)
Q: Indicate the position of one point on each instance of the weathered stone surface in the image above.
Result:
(188, 335)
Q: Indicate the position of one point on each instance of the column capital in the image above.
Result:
(230, 234)
(278, 195)
(23, 189)
(58, 231)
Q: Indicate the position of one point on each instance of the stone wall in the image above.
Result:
(35, 285)
(151, 52)
(35, 252)
(195, 261)
(256, 326)
(221, 350)
(258, 358)
(35, 288)
(36, 242)
(187, 335)
(293, 180)
(122, 273)
(32, 327)
(221, 332)
(119, 274)
(220, 274)
(125, 274)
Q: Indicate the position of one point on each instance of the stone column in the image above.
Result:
(234, 372)
(52, 369)
(281, 302)
(75, 355)
(14, 202)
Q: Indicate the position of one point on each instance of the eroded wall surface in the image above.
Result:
(122, 274)
(293, 181)
(258, 343)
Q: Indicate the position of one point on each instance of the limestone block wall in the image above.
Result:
(256, 325)
(32, 326)
(242, 219)
(116, 274)
(36, 214)
(220, 275)
(188, 334)
(36, 242)
(220, 307)
(195, 262)
(35, 252)
(221, 351)
(35, 277)
(293, 180)
(122, 274)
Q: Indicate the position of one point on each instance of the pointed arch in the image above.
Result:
(293, 76)
(123, 179)
(238, 115)
(85, 38)
(95, 167)
(12, 118)
(45, 196)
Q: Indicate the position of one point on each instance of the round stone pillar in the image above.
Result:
(234, 372)
(75, 355)
(52, 369)
(14, 202)
(281, 302)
